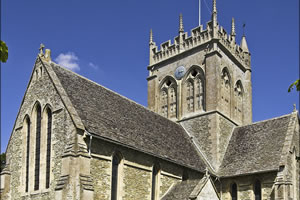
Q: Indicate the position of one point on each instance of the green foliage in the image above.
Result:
(295, 84)
(3, 52)
(2, 161)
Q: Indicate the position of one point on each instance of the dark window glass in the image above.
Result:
(37, 149)
(234, 191)
(257, 190)
(48, 155)
(27, 155)
(154, 181)
(185, 175)
(115, 174)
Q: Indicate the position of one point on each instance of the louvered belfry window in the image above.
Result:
(48, 155)
(27, 154)
(37, 148)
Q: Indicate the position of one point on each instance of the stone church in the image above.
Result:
(75, 139)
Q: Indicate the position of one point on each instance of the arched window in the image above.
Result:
(225, 91)
(27, 154)
(168, 98)
(195, 100)
(238, 95)
(48, 153)
(115, 176)
(37, 148)
(190, 96)
(155, 177)
(233, 192)
(257, 190)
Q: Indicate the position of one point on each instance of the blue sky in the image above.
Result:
(107, 41)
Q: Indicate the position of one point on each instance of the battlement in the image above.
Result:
(183, 42)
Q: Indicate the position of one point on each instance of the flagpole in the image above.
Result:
(199, 12)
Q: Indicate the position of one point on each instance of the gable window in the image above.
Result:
(27, 155)
(48, 153)
(115, 176)
(233, 191)
(37, 148)
(257, 190)
(155, 177)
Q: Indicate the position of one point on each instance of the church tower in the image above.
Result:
(201, 73)
(202, 78)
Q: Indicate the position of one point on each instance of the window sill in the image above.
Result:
(37, 192)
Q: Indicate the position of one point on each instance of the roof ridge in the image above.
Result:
(124, 97)
(265, 120)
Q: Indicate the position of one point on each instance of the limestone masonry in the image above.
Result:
(195, 141)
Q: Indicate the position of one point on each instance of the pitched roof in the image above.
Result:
(256, 147)
(182, 190)
(189, 189)
(116, 118)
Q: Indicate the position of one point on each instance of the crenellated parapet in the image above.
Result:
(183, 42)
(199, 36)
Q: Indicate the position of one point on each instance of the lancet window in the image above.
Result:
(195, 100)
(37, 148)
(37, 134)
(257, 190)
(27, 154)
(233, 192)
(115, 176)
(168, 98)
(48, 153)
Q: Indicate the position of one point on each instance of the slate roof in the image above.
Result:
(182, 190)
(255, 148)
(114, 117)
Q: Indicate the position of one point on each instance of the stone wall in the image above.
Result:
(245, 186)
(40, 89)
(135, 173)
